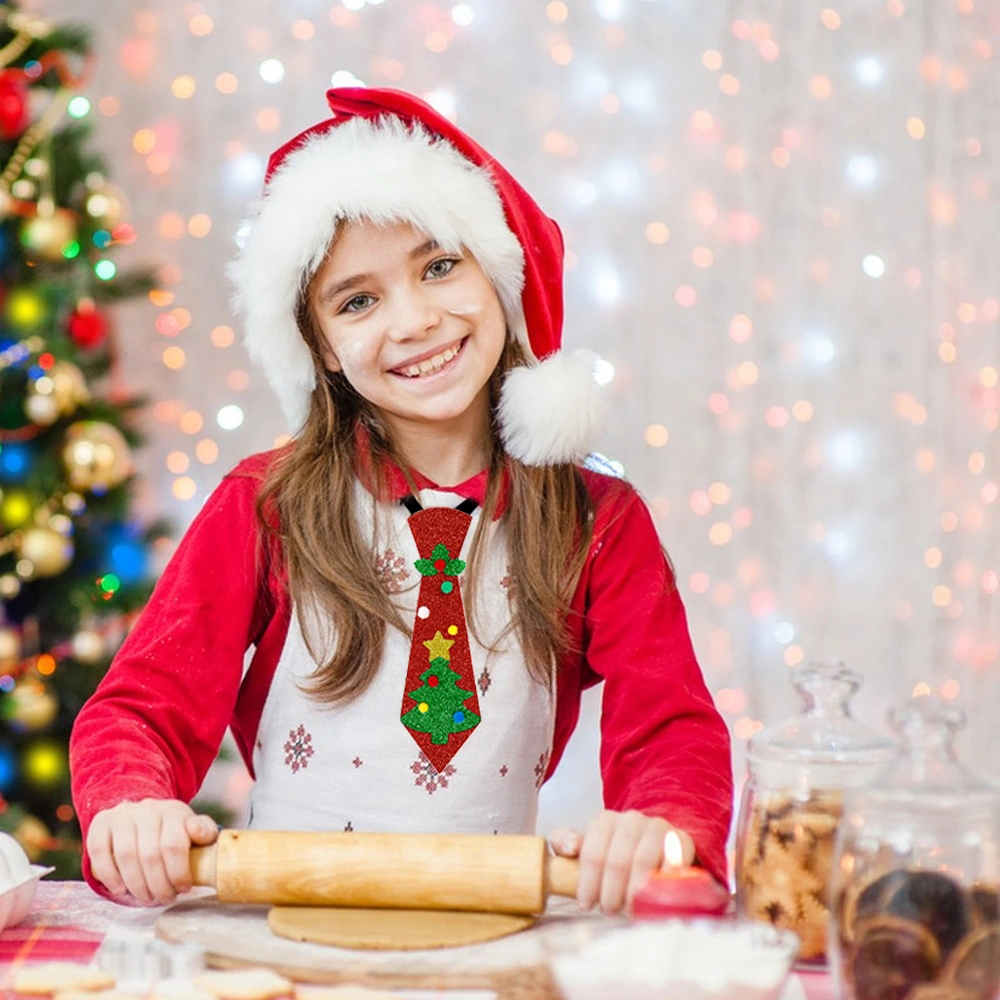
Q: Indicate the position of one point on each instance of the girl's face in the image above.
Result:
(415, 330)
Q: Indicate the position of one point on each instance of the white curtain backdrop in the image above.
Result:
(782, 222)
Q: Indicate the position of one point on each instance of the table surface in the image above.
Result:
(68, 922)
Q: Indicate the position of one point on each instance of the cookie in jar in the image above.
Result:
(792, 805)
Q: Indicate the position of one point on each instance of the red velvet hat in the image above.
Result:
(386, 156)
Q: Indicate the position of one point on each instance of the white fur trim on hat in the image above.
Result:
(550, 412)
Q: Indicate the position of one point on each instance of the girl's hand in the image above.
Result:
(142, 848)
(617, 854)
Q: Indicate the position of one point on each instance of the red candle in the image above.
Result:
(679, 890)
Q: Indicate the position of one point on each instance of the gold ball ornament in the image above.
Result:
(56, 394)
(31, 706)
(10, 649)
(96, 456)
(33, 835)
(48, 551)
(34, 26)
(25, 310)
(16, 509)
(41, 407)
(44, 764)
(106, 205)
(74, 503)
(88, 646)
(45, 236)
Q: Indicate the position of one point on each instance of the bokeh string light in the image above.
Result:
(780, 223)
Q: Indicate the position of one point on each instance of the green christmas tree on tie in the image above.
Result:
(440, 708)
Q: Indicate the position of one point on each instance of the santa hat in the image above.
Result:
(387, 157)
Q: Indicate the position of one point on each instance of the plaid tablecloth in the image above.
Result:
(68, 922)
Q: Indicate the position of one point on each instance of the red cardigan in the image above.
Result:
(154, 725)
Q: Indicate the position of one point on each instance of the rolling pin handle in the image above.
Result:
(561, 876)
(203, 865)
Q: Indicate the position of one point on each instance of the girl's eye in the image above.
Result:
(358, 304)
(441, 267)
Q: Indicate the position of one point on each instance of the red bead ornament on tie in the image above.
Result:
(440, 704)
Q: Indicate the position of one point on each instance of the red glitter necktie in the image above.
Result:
(440, 703)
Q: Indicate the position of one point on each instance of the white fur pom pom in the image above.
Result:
(550, 411)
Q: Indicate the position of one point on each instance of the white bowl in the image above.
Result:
(15, 902)
(671, 960)
(14, 864)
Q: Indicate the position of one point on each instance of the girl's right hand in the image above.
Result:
(142, 848)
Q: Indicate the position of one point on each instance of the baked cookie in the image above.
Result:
(975, 963)
(244, 984)
(892, 955)
(47, 978)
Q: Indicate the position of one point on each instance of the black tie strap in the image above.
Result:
(412, 504)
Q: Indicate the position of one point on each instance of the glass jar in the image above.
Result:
(917, 872)
(792, 805)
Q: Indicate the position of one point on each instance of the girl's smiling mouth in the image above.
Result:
(422, 367)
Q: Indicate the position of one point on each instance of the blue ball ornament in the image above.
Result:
(8, 769)
(127, 555)
(15, 462)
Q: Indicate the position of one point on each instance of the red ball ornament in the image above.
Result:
(87, 326)
(15, 115)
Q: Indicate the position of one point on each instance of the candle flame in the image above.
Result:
(673, 850)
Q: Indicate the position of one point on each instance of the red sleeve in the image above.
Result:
(665, 749)
(153, 726)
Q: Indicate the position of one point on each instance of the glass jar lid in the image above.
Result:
(926, 773)
(825, 732)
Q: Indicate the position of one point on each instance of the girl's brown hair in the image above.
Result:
(307, 506)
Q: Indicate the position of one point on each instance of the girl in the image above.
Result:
(418, 649)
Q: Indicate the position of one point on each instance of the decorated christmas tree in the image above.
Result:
(73, 560)
(440, 708)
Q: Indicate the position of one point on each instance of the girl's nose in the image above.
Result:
(414, 313)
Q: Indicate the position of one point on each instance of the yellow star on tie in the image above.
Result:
(439, 646)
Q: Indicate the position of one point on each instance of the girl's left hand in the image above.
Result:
(617, 854)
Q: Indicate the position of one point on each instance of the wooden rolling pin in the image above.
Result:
(492, 874)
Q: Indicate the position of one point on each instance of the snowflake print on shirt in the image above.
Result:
(540, 768)
(391, 571)
(298, 748)
(428, 776)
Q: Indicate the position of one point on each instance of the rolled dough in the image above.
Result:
(391, 930)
